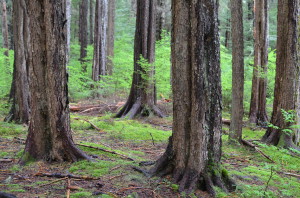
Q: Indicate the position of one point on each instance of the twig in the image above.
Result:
(58, 175)
(114, 177)
(108, 151)
(58, 180)
(257, 149)
(269, 181)
(152, 139)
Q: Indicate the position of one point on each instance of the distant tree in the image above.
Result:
(49, 137)
(20, 84)
(141, 100)
(91, 19)
(5, 28)
(194, 151)
(83, 31)
(100, 39)
(68, 14)
(237, 109)
(258, 113)
(286, 94)
(110, 35)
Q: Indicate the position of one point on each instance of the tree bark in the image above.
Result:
(161, 17)
(49, 136)
(237, 109)
(91, 18)
(194, 150)
(83, 32)
(110, 35)
(141, 100)
(20, 84)
(286, 94)
(100, 39)
(5, 28)
(68, 14)
(258, 113)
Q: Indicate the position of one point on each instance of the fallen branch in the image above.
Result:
(291, 174)
(93, 125)
(68, 189)
(108, 151)
(58, 175)
(6, 160)
(245, 142)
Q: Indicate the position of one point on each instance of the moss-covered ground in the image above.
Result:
(140, 140)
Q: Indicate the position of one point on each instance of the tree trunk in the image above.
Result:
(49, 136)
(194, 150)
(68, 14)
(5, 28)
(237, 109)
(227, 33)
(100, 39)
(286, 94)
(258, 113)
(83, 30)
(91, 18)
(20, 85)
(161, 17)
(110, 35)
(141, 100)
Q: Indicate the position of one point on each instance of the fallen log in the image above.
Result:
(108, 151)
(93, 125)
(59, 175)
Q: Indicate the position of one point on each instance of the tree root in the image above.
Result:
(189, 179)
(138, 110)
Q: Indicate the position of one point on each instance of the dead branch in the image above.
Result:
(6, 160)
(93, 125)
(290, 174)
(108, 151)
(58, 175)
(68, 190)
(247, 143)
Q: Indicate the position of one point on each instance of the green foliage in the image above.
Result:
(6, 70)
(11, 129)
(82, 195)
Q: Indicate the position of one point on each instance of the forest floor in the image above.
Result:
(118, 145)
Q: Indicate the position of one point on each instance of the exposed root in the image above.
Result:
(189, 179)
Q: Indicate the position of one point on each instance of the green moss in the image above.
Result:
(81, 195)
(11, 129)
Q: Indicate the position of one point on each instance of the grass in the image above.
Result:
(248, 168)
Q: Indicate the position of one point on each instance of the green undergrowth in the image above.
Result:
(122, 129)
(252, 171)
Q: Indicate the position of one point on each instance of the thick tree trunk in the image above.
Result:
(100, 39)
(91, 18)
(49, 136)
(194, 150)
(20, 85)
(286, 94)
(83, 32)
(141, 100)
(237, 109)
(5, 28)
(258, 113)
(110, 35)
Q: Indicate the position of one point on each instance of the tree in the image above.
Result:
(68, 14)
(100, 39)
(237, 109)
(194, 150)
(49, 137)
(5, 28)
(258, 113)
(110, 35)
(141, 100)
(286, 94)
(91, 18)
(83, 29)
(20, 84)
